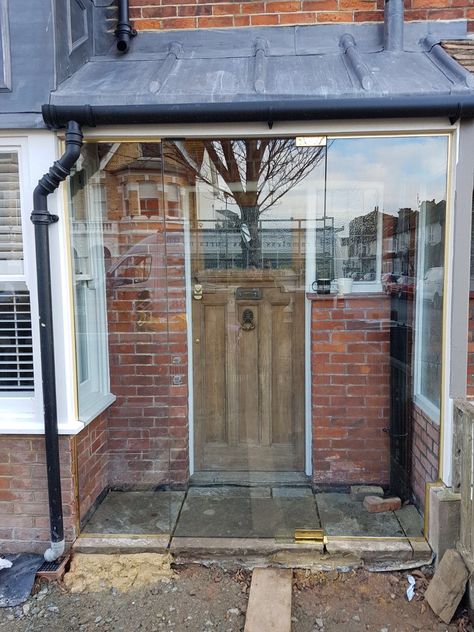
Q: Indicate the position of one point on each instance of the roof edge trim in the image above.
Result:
(452, 106)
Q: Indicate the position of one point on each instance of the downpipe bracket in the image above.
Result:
(43, 217)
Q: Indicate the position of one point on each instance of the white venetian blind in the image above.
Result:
(11, 248)
(16, 353)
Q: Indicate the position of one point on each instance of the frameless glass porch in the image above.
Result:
(268, 313)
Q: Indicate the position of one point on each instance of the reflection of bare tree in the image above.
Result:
(256, 173)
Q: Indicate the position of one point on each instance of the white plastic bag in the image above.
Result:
(411, 587)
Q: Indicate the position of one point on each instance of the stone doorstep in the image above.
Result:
(380, 549)
(351, 550)
(112, 543)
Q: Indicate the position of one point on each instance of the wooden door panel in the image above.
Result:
(214, 376)
(282, 375)
(246, 370)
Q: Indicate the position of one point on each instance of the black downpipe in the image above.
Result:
(452, 106)
(42, 219)
(124, 31)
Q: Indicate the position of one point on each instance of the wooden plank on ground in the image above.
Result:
(269, 606)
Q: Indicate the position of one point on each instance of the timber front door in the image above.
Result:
(248, 350)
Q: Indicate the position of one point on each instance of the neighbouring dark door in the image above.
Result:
(400, 397)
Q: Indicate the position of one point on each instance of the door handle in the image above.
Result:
(197, 292)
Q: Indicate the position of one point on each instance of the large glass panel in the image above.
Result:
(273, 324)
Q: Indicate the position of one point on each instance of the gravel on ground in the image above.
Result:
(203, 599)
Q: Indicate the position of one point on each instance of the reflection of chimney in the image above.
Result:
(393, 25)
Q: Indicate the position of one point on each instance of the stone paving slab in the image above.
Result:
(229, 491)
(410, 520)
(342, 516)
(241, 517)
(136, 513)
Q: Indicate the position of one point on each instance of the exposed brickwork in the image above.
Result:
(425, 453)
(24, 515)
(189, 14)
(148, 424)
(92, 462)
(350, 341)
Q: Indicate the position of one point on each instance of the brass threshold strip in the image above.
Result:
(309, 536)
(381, 538)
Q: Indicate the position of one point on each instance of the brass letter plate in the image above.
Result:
(248, 293)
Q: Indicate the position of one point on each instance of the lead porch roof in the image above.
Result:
(255, 64)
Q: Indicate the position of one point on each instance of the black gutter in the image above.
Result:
(452, 106)
(124, 31)
(42, 219)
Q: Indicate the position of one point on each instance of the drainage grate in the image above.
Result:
(49, 567)
(53, 571)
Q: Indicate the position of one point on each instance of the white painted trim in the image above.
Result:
(189, 335)
(321, 128)
(447, 408)
(98, 404)
(45, 149)
(38, 149)
(310, 276)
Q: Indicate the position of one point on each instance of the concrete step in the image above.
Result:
(118, 543)
(269, 606)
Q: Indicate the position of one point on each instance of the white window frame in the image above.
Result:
(95, 390)
(37, 150)
(21, 408)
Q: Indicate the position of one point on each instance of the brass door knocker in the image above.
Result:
(247, 320)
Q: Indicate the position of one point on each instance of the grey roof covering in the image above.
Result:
(249, 64)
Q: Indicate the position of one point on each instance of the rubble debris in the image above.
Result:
(122, 572)
(359, 492)
(448, 585)
(374, 504)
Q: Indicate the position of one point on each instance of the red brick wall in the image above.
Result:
(148, 424)
(24, 515)
(189, 14)
(425, 453)
(92, 462)
(350, 340)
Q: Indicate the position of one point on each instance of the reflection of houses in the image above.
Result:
(361, 262)
(399, 242)
(433, 219)
(399, 237)
(132, 197)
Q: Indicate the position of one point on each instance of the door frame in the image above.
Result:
(307, 434)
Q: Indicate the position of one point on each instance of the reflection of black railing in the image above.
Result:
(282, 243)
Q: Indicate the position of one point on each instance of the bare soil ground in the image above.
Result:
(210, 599)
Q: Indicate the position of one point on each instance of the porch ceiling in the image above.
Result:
(266, 64)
